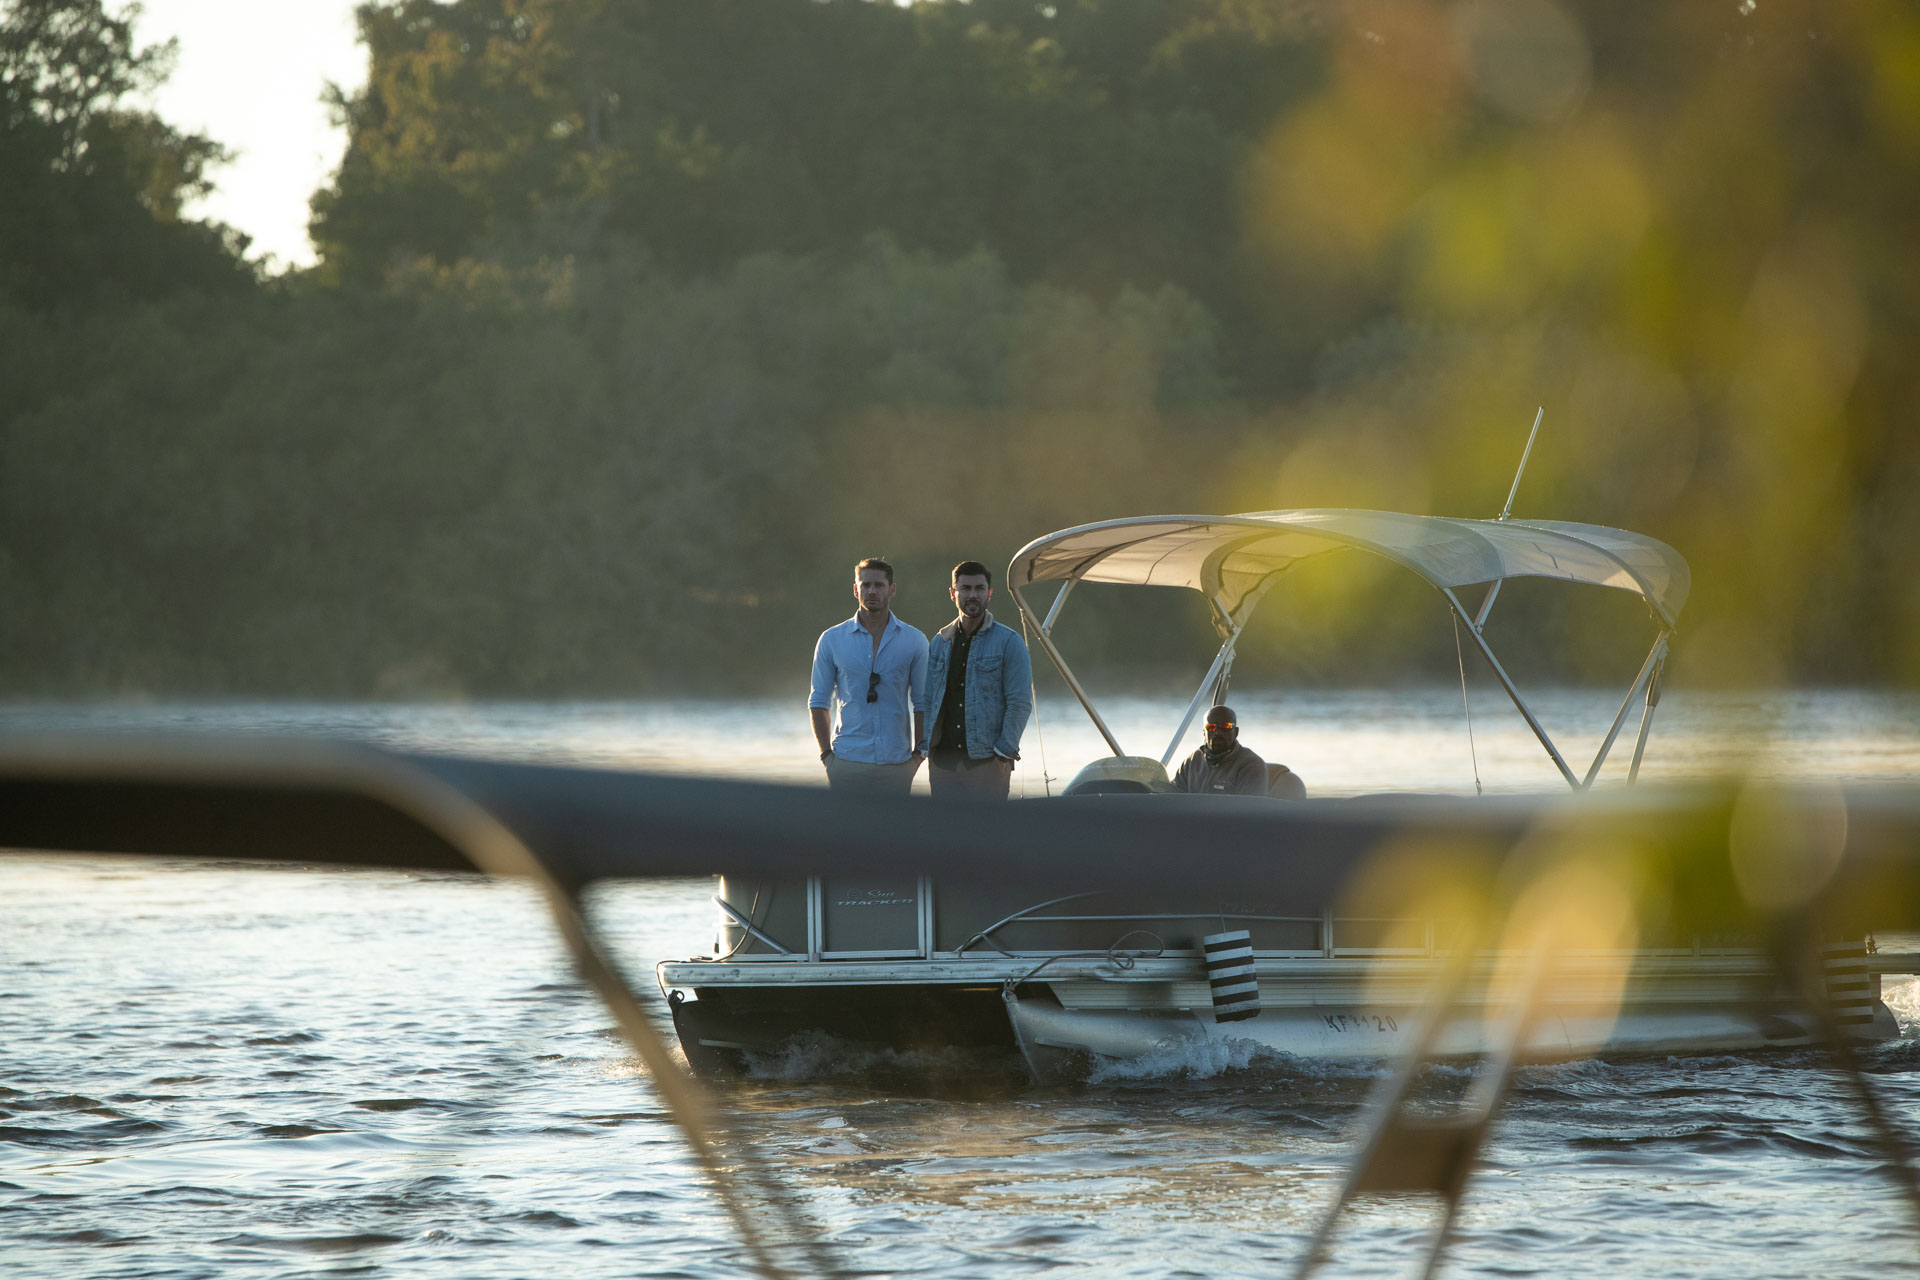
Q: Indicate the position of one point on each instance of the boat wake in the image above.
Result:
(1194, 1059)
(1197, 1059)
(1902, 997)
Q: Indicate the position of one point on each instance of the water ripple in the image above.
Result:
(248, 1074)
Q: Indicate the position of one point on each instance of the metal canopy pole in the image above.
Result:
(1220, 685)
(1507, 683)
(1646, 669)
(1646, 719)
(1058, 600)
(1486, 606)
(1216, 677)
(1200, 695)
(1226, 671)
(1060, 663)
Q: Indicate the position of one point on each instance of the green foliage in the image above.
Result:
(64, 63)
(584, 476)
(93, 189)
(1089, 144)
(637, 321)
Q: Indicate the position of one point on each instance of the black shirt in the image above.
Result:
(950, 727)
(1237, 773)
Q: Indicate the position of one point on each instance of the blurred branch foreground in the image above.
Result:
(1557, 905)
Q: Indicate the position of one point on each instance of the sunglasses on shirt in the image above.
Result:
(873, 686)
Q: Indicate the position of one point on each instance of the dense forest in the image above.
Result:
(635, 322)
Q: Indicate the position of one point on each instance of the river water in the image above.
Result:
(239, 1071)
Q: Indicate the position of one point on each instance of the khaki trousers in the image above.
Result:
(970, 779)
(857, 777)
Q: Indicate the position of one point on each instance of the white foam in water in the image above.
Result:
(1902, 996)
(1195, 1059)
(1204, 1059)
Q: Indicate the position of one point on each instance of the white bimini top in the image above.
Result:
(1232, 560)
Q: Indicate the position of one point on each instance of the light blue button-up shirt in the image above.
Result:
(881, 731)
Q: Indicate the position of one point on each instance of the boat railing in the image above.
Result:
(827, 919)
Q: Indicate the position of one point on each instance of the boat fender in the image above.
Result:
(1236, 992)
(1851, 990)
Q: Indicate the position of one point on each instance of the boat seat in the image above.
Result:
(1284, 784)
(1109, 787)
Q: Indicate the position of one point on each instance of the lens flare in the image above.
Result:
(1785, 845)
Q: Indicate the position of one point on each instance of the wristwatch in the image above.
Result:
(825, 754)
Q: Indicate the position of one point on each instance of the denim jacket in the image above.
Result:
(999, 687)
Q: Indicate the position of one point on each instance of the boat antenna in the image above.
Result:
(1525, 454)
(1486, 606)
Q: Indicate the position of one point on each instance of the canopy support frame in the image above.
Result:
(1506, 682)
(1209, 684)
(1042, 631)
(1655, 656)
(1059, 599)
(1220, 685)
(1486, 605)
(1646, 718)
(1199, 548)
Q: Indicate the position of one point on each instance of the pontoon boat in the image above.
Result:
(1089, 973)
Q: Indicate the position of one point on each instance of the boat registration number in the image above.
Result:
(1344, 1022)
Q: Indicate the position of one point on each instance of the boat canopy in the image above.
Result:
(1232, 560)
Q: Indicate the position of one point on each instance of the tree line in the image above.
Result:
(634, 324)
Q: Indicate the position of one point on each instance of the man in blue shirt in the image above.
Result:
(868, 702)
(980, 678)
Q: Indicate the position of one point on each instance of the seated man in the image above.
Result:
(1222, 767)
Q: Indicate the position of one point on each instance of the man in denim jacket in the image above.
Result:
(981, 680)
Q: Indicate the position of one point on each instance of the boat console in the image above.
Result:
(1120, 775)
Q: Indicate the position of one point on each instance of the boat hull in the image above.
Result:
(1063, 1045)
(905, 964)
(724, 1025)
(1066, 1014)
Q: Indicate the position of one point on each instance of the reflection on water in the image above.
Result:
(246, 1072)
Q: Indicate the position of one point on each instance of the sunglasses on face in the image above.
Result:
(873, 687)
(1221, 726)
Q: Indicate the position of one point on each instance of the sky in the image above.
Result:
(250, 75)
